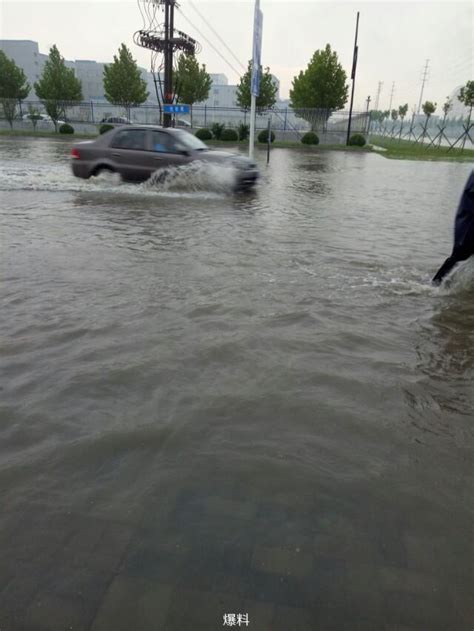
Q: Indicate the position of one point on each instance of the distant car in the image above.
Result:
(182, 123)
(41, 118)
(139, 150)
(116, 120)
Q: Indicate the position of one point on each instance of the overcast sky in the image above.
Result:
(395, 38)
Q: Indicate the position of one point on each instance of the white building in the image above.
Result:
(91, 75)
(219, 79)
(26, 55)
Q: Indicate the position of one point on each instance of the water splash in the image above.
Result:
(193, 177)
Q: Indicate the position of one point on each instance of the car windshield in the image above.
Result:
(188, 141)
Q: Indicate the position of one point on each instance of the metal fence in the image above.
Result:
(431, 133)
(282, 119)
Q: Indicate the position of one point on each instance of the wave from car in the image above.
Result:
(137, 151)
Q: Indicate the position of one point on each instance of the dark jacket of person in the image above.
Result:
(464, 222)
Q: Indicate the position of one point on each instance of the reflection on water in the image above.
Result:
(216, 403)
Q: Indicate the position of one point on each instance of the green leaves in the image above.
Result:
(402, 111)
(57, 86)
(322, 85)
(466, 94)
(428, 108)
(123, 83)
(13, 86)
(58, 82)
(193, 83)
(268, 90)
(13, 83)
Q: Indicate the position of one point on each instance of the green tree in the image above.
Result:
(428, 108)
(33, 115)
(13, 86)
(447, 107)
(58, 86)
(466, 96)
(402, 112)
(193, 82)
(268, 90)
(321, 86)
(123, 82)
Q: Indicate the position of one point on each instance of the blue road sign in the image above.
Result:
(257, 50)
(176, 109)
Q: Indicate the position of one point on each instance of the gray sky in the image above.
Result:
(395, 38)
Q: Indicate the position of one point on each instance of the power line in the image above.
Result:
(377, 98)
(237, 72)
(391, 96)
(425, 74)
(217, 35)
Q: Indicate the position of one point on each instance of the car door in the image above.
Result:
(130, 155)
(166, 151)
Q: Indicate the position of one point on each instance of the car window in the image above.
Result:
(130, 139)
(163, 142)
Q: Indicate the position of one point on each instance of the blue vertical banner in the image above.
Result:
(257, 50)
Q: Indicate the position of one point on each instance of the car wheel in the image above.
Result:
(101, 169)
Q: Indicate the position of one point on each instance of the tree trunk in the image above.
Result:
(467, 129)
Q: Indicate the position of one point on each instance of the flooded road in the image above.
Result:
(216, 404)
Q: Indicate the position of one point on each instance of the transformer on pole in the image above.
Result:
(163, 40)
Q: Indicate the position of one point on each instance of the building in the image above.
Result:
(91, 75)
(219, 79)
(26, 55)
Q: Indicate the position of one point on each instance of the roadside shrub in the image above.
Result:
(357, 140)
(203, 134)
(229, 134)
(310, 138)
(217, 129)
(263, 136)
(243, 131)
(105, 127)
(66, 128)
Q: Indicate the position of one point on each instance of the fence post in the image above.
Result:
(92, 112)
(286, 117)
(205, 116)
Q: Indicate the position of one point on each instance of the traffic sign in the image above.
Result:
(176, 109)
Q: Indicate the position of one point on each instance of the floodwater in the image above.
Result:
(215, 405)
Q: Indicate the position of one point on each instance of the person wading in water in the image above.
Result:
(463, 232)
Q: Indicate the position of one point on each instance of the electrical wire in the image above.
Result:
(211, 28)
(237, 72)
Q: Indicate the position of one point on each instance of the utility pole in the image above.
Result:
(353, 76)
(168, 55)
(167, 42)
(391, 97)
(377, 98)
(425, 74)
(256, 67)
(367, 113)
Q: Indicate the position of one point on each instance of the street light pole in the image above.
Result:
(353, 75)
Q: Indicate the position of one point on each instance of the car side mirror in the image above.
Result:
(185, 152)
